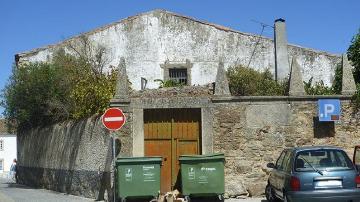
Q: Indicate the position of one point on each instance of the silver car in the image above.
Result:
(314, 174)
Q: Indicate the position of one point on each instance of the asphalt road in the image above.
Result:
(12, 192)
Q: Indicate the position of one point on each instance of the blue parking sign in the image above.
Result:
(329, 109)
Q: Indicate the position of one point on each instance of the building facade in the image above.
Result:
(199, 118)
(160, 44)
(8, 148)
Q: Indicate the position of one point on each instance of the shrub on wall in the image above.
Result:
(35, 95)
(68, 87)
(356, 98)
(245, 81)
(353, 54)
(319, 88)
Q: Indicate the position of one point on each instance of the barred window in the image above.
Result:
(179, 75)
(1, 145)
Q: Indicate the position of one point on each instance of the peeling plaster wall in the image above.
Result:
(149, 39)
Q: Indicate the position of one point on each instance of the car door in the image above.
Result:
(283, 172)
(356, 159)
(276, 174)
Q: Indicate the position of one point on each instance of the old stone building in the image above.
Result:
(157, 42)
(75, 157)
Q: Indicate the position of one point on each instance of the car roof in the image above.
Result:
(315, 148)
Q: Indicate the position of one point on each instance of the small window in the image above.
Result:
(178, 75)
(1, 145)
(1, 164)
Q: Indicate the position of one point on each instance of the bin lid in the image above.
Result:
(202, 157)
(139, 159)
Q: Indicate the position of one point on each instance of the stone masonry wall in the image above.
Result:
(71, 157)
(252, 134)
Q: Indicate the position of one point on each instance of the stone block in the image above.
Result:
(271, 114)
(221, 83)
(296, 84)
(235, 188)
(256, 189)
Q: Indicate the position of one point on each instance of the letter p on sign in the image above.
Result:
(329, 109)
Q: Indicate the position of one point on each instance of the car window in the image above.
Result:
(280, 161)
(357, 156)
(286, 162)
(322, 159)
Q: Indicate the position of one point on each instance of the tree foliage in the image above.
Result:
(70, 86)
(353, 54)
(245, 81)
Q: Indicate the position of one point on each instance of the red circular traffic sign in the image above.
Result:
(113, 118)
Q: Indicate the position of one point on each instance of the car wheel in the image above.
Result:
(269, 193)
(286, 199)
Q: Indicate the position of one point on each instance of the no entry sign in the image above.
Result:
(113, 119)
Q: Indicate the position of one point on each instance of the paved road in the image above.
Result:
(11, 192)
(247, 200)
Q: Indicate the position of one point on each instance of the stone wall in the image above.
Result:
(253, 132)
(75, 157)
(71, 157)
(149, 40)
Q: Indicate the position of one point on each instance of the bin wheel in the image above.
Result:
(187, 198)
(123, 200)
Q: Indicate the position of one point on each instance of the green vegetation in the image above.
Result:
(353, 54)
(168, 83)
(244, 81)
(68, 87)
(319, 88)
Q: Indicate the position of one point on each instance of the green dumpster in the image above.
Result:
(138, 177)
(202, 175)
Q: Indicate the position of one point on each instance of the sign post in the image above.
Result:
(113, 119)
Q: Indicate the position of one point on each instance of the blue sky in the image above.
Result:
(325, 25)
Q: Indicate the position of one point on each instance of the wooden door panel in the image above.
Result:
(170, 133)
(161, 148)
(185, 147)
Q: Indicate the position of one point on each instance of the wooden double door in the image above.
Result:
(170, 133)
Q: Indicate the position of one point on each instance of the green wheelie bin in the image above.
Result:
(202, 175)
(138, 177)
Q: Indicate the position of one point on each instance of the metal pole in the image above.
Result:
(114, 166)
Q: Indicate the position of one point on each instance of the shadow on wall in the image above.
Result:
(323, 129)
(53, 163)
(106, 191)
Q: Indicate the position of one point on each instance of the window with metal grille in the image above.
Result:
(1, 145)
(179, 75)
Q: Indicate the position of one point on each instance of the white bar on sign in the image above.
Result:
(108, 119)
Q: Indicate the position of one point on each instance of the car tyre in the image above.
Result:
(269, 194)
(286, 199)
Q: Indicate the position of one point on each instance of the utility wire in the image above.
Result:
(263, 25)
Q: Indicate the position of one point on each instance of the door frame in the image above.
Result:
(206, 131)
